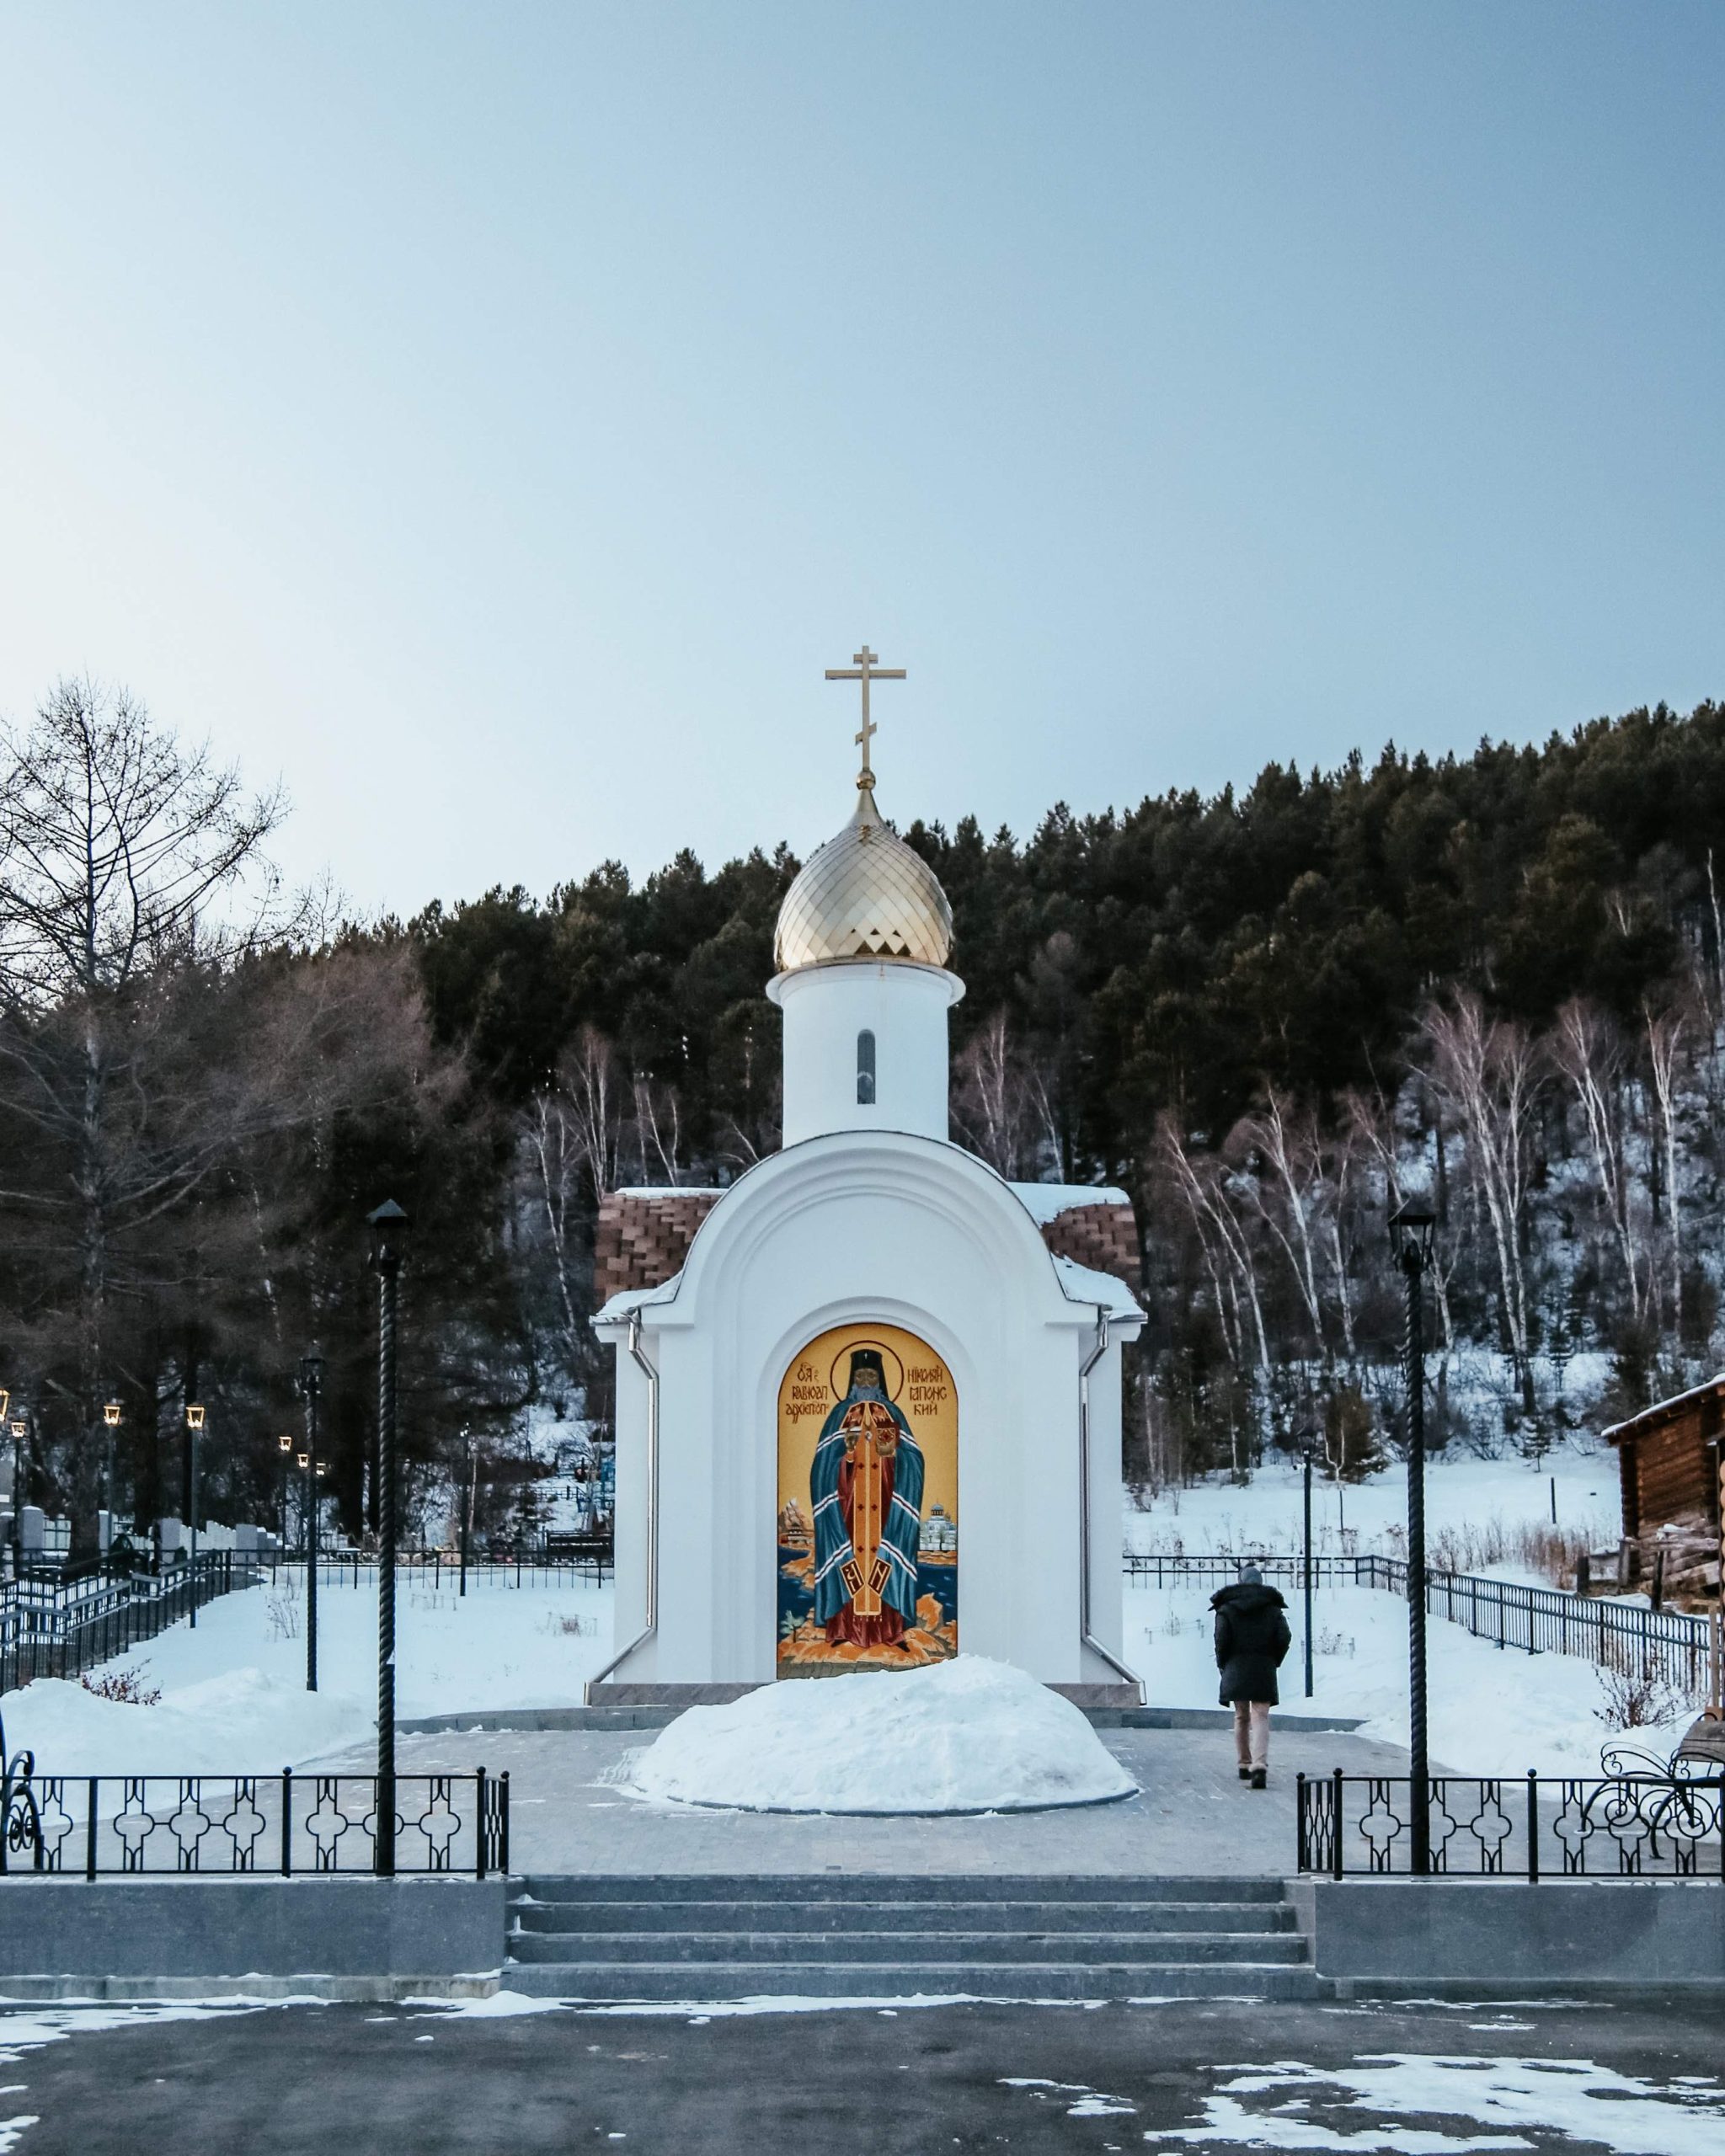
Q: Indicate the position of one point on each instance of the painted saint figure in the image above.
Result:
(865, 1484)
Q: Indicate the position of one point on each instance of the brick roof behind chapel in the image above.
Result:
(642, 1238)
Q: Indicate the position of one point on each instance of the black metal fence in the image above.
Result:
(102, 1826)
(1661, 1643)
(51, 1628)
(440, 1571)
(1569, 1826)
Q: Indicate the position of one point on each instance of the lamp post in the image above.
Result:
(1306, 1439)
(466, 1497)
(388, 1225)
(17, 1429)
(111, 1415)
(284, 1445)
(1411, 1229)
(195, 1430)
(311, 1388)
(20, 1430)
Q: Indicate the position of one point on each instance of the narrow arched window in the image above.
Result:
(865, 1069)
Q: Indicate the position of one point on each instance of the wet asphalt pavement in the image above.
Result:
(411, 2081)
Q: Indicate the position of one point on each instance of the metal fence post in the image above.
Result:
(90, 1832)
(1533, 1827)
(287, 1822)
(1336, 1826)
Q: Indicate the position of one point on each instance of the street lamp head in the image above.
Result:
(5, 1402)
(302, 1460)
(111, 1414)
(311, 1372)
(194, 1415)
(285, 1442)
(389, 1226)
(1412, 1228)
(20, 1428)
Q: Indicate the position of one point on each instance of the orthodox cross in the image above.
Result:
(864, 667)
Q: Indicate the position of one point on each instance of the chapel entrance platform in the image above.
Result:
(1193, 1816)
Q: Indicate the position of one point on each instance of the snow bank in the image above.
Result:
(234, 1697)
(241, 1722)
(968, 1735)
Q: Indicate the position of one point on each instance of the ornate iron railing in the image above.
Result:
(105, 1826)
(1663, 1643)
(51, 1628)
(1618, 1826)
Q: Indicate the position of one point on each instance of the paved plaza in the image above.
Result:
(299, 2081)
(1193, 1815)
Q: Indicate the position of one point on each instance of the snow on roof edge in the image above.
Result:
(1046, 1201)
(617, 1310)
(655, 1190)
(1662, 1406)
(1079, 1283)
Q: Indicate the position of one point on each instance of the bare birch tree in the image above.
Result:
(1664, 1034)
(588, 1082)
(1287, 1145)
(1587, 1051)
(990, 1097)
(1199, 1182)
(1488, 1071)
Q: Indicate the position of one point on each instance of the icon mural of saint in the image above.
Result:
(866, 1487)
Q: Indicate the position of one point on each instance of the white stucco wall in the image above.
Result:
(863, 1226)
(825, 1007)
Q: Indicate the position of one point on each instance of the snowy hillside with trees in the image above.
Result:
(1498, 981)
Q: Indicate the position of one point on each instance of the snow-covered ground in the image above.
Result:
(234, 1696)
(1471, 1504)
(1493, 1711)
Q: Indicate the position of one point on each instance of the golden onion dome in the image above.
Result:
(864, 894)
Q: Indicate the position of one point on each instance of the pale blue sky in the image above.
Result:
(492, 417)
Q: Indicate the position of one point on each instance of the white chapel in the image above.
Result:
(868, 1396)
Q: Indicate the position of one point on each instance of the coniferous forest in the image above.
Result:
(1498, 981)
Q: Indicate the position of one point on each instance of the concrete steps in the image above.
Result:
(841, 1934)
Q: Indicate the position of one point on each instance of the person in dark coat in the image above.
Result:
(1252, 1638)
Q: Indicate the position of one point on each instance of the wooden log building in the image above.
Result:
(1669, 1463)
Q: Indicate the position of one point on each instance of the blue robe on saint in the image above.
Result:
(901, 1531)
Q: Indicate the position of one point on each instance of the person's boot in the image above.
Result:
(1246, 1774)
(1260, 1778)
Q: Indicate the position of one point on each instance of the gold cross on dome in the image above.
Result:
(865, 668)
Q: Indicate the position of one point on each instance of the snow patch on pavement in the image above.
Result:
(1590, 2104)
(27, 2027)
(1091, 2103)
(969, 1735)
(499, 2006)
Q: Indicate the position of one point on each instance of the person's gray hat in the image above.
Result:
(1250, 1576)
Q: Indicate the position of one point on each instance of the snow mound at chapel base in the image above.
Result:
(968, 1735)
